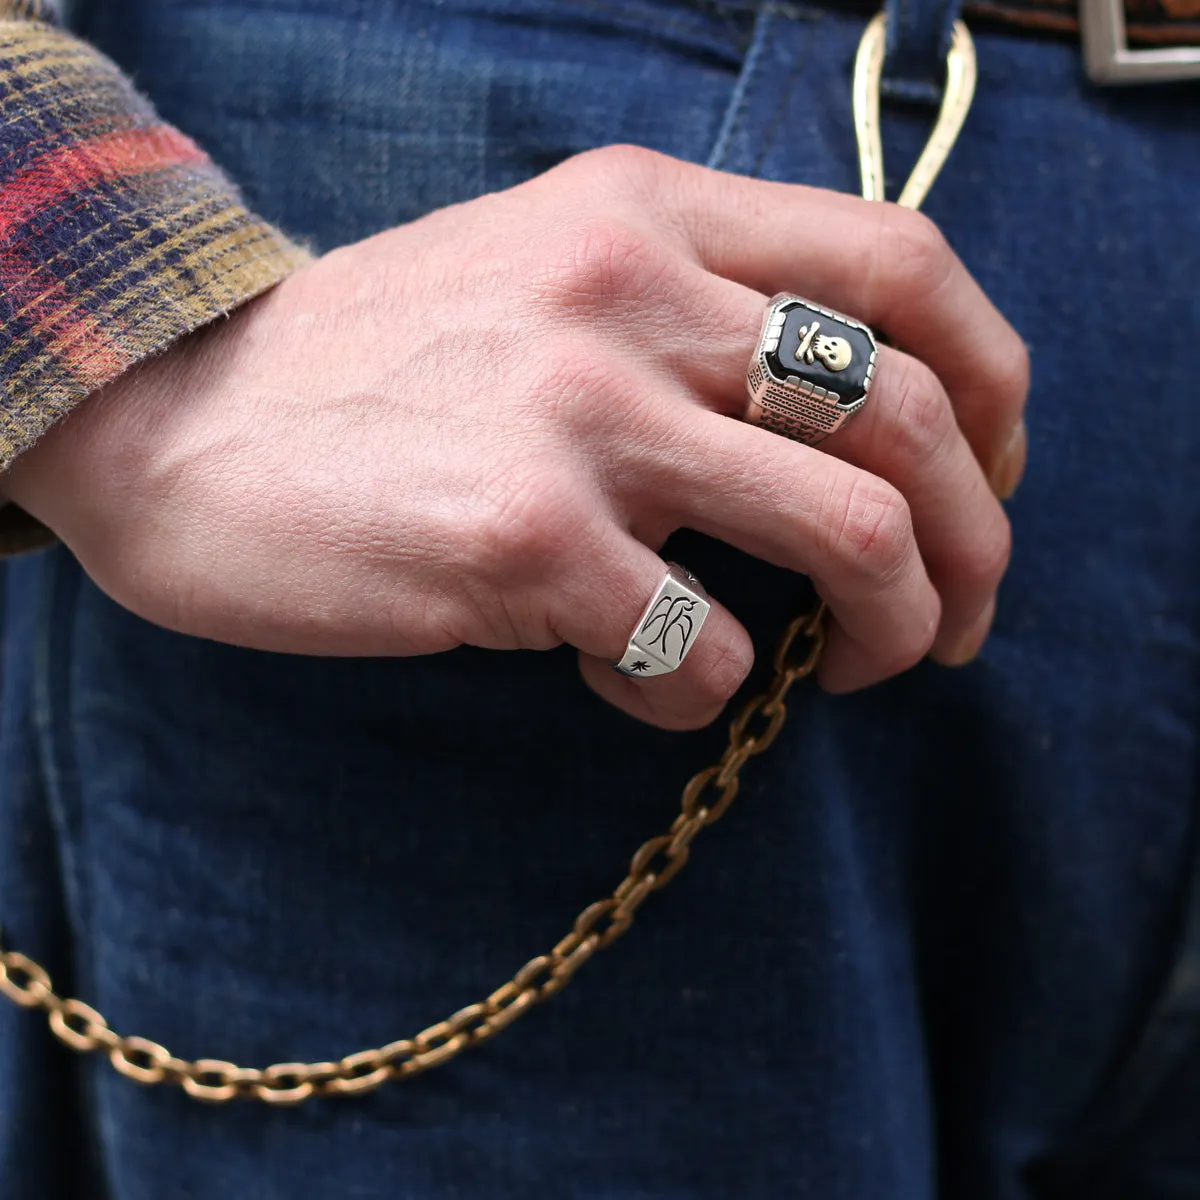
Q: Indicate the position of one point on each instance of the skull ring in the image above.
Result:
(811, 371)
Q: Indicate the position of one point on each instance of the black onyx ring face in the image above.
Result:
(812, 369)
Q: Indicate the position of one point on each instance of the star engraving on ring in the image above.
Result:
(640, 665)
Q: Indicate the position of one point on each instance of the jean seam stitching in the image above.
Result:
(738, 103)
(52, 725)
(785, 96)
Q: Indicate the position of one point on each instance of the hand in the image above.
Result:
(480, 427)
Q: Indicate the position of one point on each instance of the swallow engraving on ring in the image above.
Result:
(668, 626)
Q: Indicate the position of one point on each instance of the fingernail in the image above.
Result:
(972, 641)
(1011, 466)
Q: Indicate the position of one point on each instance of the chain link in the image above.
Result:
(706, 798)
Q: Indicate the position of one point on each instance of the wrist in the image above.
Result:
(66, 479)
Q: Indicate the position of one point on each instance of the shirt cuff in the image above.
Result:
(118, 235)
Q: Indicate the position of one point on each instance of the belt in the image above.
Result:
(1124, 41)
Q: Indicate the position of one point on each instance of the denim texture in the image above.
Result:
(946, 944)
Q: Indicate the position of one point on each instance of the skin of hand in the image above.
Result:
(480, 427)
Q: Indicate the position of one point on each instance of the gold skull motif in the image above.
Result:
(834, 352)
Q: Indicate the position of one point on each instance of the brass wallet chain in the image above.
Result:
(706, 797)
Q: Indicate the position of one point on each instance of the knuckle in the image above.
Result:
(913, 249)
(987, 555)
(916, 640)
(621, 167)
(580, 385)
(524, 524)
(1013, 370)
(711, 684)
(923, 419)
(601, 261)
(723, 669)
(868, 527)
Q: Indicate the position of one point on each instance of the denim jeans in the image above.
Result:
(947, 942)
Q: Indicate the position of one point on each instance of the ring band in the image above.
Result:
(811, 370)
(668, 628)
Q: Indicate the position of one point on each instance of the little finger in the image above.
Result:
(705, 655)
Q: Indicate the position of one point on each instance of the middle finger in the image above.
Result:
(906, 433)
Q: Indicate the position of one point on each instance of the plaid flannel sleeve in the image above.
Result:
(117, 234)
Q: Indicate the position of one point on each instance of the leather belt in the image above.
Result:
(1147, 22)
(1124, 41)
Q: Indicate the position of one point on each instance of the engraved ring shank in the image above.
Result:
(668, 628)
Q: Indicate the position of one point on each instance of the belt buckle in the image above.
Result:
(1109, 60)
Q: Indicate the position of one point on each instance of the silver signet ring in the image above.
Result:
(810, 372)
(668, 628)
